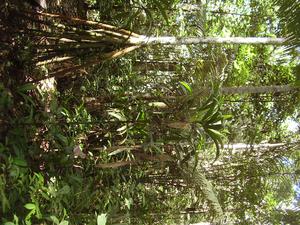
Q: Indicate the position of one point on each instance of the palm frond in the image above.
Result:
(198, 179)
(289, 15)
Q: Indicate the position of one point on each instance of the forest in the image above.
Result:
(178, 112)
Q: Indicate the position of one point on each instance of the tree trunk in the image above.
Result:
(258, 90)
(170, 40)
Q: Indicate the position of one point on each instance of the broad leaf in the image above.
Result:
(101, 219)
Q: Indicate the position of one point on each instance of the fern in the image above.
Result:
(198, 179)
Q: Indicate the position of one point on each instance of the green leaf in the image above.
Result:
(121, 149)
(20, 162)
(26, 87)
(62, 138)
(215, 126)
(123, 128)
(227, 117)
(215, 118)
(16, 220)
(198, 117)
(30, 206)
(128, 202)
(162, 10)
(101, 219)
(9, 223)
(117, 115)
(216, 136)
(213, 109)
(64, 222)
(54, 219)
(186, 86)
(131, 17)
(65, 190)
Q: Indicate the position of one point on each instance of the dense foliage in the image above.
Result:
(95, 129)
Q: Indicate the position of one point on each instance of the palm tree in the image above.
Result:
(106, 42)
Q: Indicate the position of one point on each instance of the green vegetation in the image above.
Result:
(149, 112)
